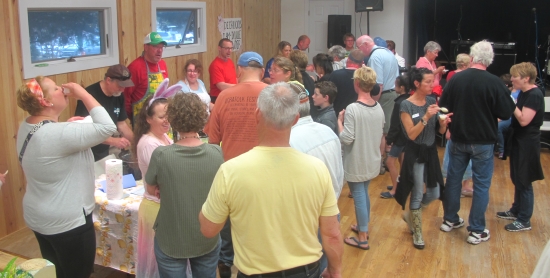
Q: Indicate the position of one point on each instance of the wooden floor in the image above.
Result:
(391, 252)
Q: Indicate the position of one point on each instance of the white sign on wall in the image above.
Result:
(231, 28)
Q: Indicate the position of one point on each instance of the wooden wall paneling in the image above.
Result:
(11, 115)
(127, 39)
(261, 33)
(142, 15)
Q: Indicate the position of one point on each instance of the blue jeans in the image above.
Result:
(202, 266)
(467, 175)
(502, 128)
(524, 201)
(482, 168)
(417, 192)
(360, 191)
(226, 252)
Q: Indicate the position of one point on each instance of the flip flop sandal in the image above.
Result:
(354, 229)
(386, 195)
(359, 243)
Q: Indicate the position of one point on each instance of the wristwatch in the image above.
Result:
(423, 121)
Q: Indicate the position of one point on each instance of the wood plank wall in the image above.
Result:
(261, 33)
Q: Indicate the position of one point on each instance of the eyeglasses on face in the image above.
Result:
(192, 71)
(226, 48)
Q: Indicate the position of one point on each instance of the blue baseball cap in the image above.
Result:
(380, 42)
(248, 57)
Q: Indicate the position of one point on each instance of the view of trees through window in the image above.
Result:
(59, 34)
(177, 26)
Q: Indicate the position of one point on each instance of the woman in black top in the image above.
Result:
(420, 175)
(396, 138)
(525, 142)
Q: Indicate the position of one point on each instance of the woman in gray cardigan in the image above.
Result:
(360, 126)
(58, 166)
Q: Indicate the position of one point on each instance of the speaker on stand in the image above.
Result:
(368, 6)
(338, 26)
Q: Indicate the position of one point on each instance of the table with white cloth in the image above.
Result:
(116, 229)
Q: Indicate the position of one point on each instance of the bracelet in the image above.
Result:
(423, 121)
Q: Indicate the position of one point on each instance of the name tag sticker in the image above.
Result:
(415, 115)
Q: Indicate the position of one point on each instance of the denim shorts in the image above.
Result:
(395, 150)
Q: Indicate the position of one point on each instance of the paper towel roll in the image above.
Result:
(113, 175)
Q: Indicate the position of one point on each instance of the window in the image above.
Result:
(181, 24)
(66, 36)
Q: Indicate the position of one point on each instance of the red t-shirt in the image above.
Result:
(233, 120)
(140, 79)
(221, 71)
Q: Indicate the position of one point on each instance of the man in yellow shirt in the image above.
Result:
(277, 198)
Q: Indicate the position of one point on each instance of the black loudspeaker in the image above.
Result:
(502, 64)
(369, 5)
(338, 26)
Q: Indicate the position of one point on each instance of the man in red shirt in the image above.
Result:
(148, 71)
(222, 70)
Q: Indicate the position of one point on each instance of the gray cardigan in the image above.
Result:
(59, 168)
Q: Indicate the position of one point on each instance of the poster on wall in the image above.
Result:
(231, 28)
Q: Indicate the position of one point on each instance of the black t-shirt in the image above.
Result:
(113, 105)
(309, 84)
(346, 95)
(533, 99)
(477, 98)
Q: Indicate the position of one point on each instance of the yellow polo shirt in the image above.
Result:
(274, 197)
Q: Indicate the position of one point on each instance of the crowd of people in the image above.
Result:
(262, 193)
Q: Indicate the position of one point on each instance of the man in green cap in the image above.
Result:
(147, 71)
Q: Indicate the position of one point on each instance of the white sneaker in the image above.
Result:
(477, 238)
(448, 226)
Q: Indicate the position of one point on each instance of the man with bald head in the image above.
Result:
(383, 62)
(303, 43)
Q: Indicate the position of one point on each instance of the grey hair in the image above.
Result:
(279, 105)
(482, 53)
(432, 46)
(337, 51)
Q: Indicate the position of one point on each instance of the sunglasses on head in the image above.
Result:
(121, 78)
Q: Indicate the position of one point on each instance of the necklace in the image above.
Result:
(195, 136)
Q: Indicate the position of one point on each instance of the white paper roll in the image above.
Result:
(113, 175)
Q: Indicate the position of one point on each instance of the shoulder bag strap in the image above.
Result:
(29, 136)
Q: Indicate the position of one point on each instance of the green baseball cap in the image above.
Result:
(153, 38)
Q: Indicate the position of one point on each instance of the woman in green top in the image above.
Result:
(184, 173)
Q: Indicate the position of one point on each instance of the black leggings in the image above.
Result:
(72, 252)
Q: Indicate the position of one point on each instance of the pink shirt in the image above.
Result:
(147, 144)
(424, 63)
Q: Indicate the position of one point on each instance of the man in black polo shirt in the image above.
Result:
(108, 92)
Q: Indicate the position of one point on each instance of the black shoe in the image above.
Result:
(389, 187)
(225, 270)
(517, 226)
(506, 215)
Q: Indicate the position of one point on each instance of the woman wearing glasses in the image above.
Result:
(192, 84)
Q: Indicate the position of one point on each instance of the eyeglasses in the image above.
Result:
(350, 40)
(192, 71)
(275, 71)
(226, 48)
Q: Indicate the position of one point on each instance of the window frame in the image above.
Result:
(184, 49)
(111, 56)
